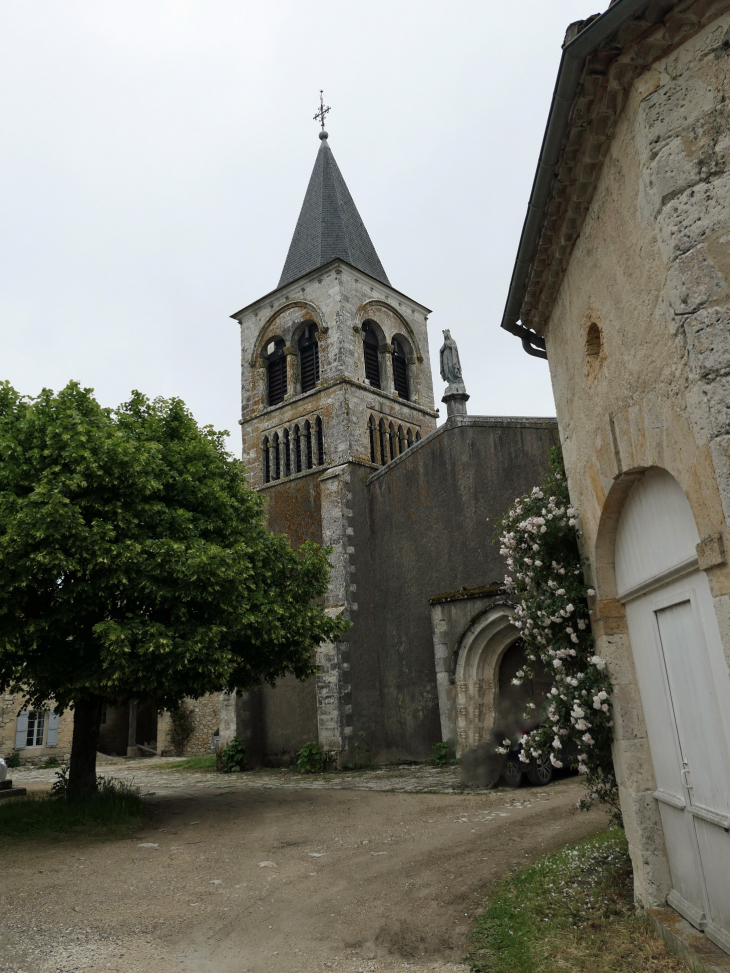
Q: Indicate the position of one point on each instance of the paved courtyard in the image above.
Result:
(157, 775)
(377, 871)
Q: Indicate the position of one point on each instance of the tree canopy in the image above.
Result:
(135, 559)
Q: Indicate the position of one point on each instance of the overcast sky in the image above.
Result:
(154, 156)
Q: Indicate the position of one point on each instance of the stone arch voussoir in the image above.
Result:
(475, 666)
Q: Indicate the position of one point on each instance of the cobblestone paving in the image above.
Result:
(156, 777)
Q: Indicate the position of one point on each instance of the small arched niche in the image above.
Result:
(593, 342)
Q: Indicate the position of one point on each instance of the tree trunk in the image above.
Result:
(82, 772)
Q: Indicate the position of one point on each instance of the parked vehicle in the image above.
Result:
(538, 772)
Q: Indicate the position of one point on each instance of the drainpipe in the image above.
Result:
(575, 53)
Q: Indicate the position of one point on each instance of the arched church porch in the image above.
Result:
(478, 652)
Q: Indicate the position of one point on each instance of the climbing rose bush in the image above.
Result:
(539, 540)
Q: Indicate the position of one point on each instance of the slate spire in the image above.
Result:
(329, 225)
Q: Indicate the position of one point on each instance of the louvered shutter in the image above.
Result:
(309, 357)
(21, 730)
(277, 381)
(400, 376)
(52, 735)
(372, 365)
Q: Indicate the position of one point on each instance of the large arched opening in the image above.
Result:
(682, 677)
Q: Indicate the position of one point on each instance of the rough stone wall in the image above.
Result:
(427, 528)
(10, 705)
(649, 275)
(206, 711)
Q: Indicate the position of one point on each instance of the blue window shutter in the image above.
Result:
(52, 736)
(21, 730)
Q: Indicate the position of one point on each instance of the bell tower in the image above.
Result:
(334, 344)
(335, 383)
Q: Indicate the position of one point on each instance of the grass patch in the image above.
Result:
(114, 811)
(204, 762)
(571, 912)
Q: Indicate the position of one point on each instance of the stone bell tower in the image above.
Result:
(335, 383)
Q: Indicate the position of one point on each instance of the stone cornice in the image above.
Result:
(325, 386)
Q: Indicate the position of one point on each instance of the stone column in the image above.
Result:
(413, 379)
(386, 369)
(292, 372)
(444, 684)
(132, 731)
(334, 691)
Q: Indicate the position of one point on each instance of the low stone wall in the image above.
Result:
(206, 715)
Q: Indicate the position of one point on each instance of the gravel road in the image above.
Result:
(270, 873)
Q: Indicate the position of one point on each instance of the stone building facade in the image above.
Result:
(339, 433)
(35, 735)
(622, 282)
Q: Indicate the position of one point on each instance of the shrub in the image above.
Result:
(440, 753)
(182, 720)
(539, 539)
(310, 759)
(13, 760)
(233, 757)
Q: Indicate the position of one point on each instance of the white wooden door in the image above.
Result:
(685, 692)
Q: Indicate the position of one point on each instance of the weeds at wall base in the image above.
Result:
(571, 912)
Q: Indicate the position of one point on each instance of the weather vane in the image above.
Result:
(319, 117)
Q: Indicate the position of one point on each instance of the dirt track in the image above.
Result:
(292, 881)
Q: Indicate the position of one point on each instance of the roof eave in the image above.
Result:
(571, 67)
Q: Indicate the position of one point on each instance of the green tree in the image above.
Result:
(135, 562)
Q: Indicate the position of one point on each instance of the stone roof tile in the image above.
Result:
(329, 226)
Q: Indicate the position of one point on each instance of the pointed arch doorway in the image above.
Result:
(685, 693)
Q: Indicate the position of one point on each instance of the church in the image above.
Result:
(340, 433)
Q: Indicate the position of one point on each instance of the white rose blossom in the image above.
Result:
(553, 617)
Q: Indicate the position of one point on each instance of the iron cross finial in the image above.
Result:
(319, 117)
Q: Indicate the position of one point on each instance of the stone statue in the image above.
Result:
(3, 769)
(450, 364)
(455, 395)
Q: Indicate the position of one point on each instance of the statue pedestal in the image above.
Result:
(455, 399)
